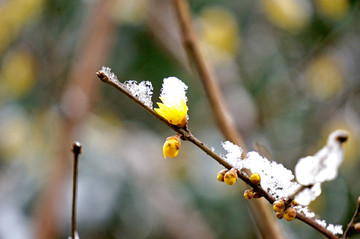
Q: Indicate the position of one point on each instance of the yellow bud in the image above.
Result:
(220, 175)
(171, 146)
(279, 215)
(231, 176)
(295, 203)
(255, 178)
(290, 214)
(279, 205)
(248, 194)
(357, 227)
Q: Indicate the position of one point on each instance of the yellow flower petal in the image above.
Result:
(174, 112)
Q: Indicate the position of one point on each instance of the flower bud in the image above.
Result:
(290, 214)
(279, 215)
(357, 227)
(255, 178)
(279, 205)
(248, 194)
(231, 176)
(295, 203)
(220, 175)
(171, 146)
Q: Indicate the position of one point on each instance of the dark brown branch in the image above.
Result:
(187, 136)
(315, 225)
(76, 149)
(353, 220)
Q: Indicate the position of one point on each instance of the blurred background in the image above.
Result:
(289, 71)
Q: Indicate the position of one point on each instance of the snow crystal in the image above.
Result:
(336, 229)
(109, 74)
(143, 91)
(173, 89)
(305, 210)
(275, 178)
(321, 222)
(323, 166)
(306, 196)
(233, 156)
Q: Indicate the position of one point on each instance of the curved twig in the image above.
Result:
(353, 220)
(187, 136)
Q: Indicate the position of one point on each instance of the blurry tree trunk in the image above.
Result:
(261, 212)
(78, 97)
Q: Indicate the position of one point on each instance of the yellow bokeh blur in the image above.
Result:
(290, 15)
(325, 78)
(18, 73)
(14, 14)
(130, 12)
(219, 33)
(334, 9)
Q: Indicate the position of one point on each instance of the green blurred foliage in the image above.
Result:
(289, 73)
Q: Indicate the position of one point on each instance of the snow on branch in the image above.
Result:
(142, 91)
(321, 167)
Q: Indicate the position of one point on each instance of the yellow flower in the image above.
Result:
(174, 111)
(171, 146)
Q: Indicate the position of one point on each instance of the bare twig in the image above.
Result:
(76, 149)
(265, 221)
(79, 94)
(223, 117)
(186, 135)
(291, 197)
(353, 220)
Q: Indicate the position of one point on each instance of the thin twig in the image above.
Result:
(78, 97)
(291, 197)
(222, 115)
(353, 220)
(186, 135)
(76, 149)
(265, 221)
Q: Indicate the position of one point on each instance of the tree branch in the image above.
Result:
(187, 136)
(265, 221)
(353, 220)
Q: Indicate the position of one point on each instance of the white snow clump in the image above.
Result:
(335, 229)
(173, 90)
(321, 167)
(275, 178)
(109, 74)
(143, 91)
